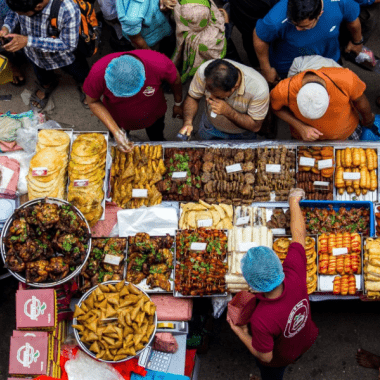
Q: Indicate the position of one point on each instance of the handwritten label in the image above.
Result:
(39, 172)
(234, 168)
(325, 164)
(340, 251)
(111, 259)
(198, 246)
(273, 168)
(179, 175)
(205, 223)
(244, 247)
(321, 183)
(81, 182)
(278, 231)
(242, 220)
(307, 161)
(347, 175)
(139, 193)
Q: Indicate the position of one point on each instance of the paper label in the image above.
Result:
(272, 168)
(325, 164)
(278, 231)
(139, 193)
(33, 308)
(340, 251)
(347, 175)
(81, 182)
(244, 247)
(111, 259)
(307, 161)
(205, 222)
(243, 220)
(321, 183)
(26, 355)
(39, 172)
(234, 168)
(179, 175)
(198, 246)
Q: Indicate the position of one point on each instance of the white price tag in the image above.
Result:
(205, 223)
(325, 164)
(321, 183)
(39, 172)
(111, 259)
(272, 168)
(307, 161)
(340, 251)
(278, 231)
(234, 168)
(243, 220)
(244, 247)
(347, 175)
(179, 175)
(198, 246)
(139, 193)
(81, 182)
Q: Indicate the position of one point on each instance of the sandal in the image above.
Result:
(42, 103)
(82, 97)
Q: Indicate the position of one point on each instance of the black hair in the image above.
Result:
(23, 5)
(299, 10)
(222, 75)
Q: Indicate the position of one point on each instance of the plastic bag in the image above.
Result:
(83, 367)
(219, 304)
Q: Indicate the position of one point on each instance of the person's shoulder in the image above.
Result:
(69, 6)
(279, 12)
(341, 75)
(151, 58)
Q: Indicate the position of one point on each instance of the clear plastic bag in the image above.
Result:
(220, 304)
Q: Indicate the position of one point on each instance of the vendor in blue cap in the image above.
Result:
(281, 329)
(131, 86)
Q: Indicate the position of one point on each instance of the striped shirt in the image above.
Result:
(251, 98)
(43, 50)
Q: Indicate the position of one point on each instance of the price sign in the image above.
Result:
(325, 164)
(111, 259)
(179, 175)
(234, 168)
(340, 251)
(321, 183)
(139, 193)
(347, 175)
(205, 223)
(198, 246)
(244, 247)
(39, 172)
(272, 168)
(278, 231)
(81, 182)
(307, 161)
(242, 220)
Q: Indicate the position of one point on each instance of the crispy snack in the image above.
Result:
(87, 172)
(372, 267)
(215, 216)
(46, 242)
(131, 327)
(143, 168)
(200, 273)
(150, 259)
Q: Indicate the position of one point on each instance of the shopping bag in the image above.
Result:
(241, 307)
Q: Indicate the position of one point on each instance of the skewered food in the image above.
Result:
(106, 262)
(46, 242)
(150, 259)
(140, 169)
(201, 272)
(133, 324)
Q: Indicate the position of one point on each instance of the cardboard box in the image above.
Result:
(32, 334)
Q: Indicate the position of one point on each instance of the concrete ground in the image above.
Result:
(344, 325)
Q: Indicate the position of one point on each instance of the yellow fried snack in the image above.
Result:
(118, 326)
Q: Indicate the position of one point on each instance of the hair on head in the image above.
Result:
(299, 10)
(221, 75)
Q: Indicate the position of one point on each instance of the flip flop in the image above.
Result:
(82, 97)
(42, 103)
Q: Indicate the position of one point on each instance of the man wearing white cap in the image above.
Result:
(323, 104)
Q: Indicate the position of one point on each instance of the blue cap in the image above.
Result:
(125, 76)
(262, 269)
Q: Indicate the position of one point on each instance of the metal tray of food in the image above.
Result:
(365, 261)
(6, 229)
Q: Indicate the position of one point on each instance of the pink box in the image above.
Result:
(35, 309)
(28, 356)
(32, 334)
(170, 308)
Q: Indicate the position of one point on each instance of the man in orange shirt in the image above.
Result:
(323, 104)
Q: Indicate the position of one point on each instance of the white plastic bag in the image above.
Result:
(220, 304)
(83, 367)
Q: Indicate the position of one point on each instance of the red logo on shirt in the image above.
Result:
(297, 319)
(149, 91)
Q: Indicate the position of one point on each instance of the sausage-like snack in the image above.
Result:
(351, 285)
(344, 285)
(336, 288)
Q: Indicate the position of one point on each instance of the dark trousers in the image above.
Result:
(270, 373)
(156, 131)
(79, 70)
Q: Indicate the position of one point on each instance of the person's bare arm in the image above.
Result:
(101, 112)
(355, 29)
(139, 42)
(297, 221)
(176, 88)
(364, 108)
(190, 109)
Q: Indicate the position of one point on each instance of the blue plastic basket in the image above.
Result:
(348, 205)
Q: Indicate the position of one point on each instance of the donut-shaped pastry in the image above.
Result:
(309, 243)
(281, 245)
(311, 259)
(312, 271)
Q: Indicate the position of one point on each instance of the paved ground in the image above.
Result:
(344, 326)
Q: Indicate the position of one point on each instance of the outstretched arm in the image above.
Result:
(297, 221)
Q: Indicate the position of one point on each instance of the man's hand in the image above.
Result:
(186, 130)
(4, 31)
(309, 133)
(178, 112)
(122, 142)
(239, 330)
(296, 195)
(18, 42)
(271, 76)
(218, 106)
(357, 49)
(167, 4)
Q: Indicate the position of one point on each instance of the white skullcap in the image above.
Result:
(313, 101)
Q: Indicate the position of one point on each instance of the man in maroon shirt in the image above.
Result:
(281, 325)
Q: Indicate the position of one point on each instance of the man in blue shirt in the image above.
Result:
(296, 28)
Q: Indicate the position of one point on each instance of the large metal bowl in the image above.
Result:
(93, 355)
(8, 224)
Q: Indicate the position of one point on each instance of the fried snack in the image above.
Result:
(351, 285)
(344, 285)
(140, 169)
(47, 174)
(86, 173)
(194, 215)
(336, 286)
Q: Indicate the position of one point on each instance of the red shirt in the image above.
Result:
(283, 325)
(147, 106)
